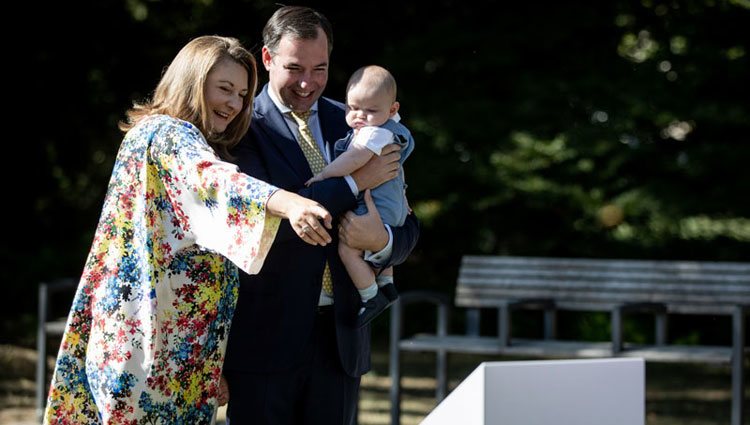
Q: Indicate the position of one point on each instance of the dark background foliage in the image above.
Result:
(578, 129)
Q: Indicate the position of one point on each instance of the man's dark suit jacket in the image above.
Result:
(276, 309)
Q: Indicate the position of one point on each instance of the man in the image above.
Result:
(295, 354)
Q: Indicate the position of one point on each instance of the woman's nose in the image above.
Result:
(236, 102)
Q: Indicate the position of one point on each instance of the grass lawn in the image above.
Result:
(686, 394)
(676, 394)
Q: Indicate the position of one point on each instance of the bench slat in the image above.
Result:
(565, 349)
(55, 328)
(609, 272)
(608, 306)
(600, 284)
(568, 263)
(616, 287)
(479, 276)
(493, 296)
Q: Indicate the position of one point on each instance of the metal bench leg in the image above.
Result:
(616, 330)
(738, 363)
(661, 328)
(473, 318)
(441, 360)
(441, 389)
(41, 351)
(504, 325)
(550, 324)
(395, 363)
(395, 387)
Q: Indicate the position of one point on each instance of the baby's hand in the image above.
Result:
(315, 178)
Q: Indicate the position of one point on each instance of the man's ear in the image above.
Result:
(265, 57)
(394, 108)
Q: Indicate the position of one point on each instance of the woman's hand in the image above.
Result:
(304, 215)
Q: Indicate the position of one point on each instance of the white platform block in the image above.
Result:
(547, 392)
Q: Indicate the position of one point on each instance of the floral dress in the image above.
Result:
(146, 335)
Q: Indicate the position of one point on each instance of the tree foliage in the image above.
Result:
(597, 129)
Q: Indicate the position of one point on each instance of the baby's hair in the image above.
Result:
(376, 77)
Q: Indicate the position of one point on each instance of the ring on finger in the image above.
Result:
(306, 229)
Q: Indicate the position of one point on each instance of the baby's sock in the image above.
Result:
(368, 292)
(383, 280)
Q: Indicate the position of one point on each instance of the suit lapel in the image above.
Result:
(279, 134)
(324, 127)
(331, 120)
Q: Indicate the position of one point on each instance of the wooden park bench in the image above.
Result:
(619, 287)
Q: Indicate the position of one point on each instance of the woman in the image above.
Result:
(146, 334)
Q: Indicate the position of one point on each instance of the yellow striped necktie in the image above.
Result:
(315, 159)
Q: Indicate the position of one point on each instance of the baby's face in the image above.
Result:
(366, 106)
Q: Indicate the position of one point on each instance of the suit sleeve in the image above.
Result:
(404, 240)
(333, 194)
(247, 157)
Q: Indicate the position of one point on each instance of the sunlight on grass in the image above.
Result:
(676, 394)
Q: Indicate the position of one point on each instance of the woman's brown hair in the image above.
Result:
(181, 90)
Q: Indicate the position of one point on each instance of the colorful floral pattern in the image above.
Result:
(146, 335)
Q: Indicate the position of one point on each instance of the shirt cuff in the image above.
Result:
(382, 256)
(352, 185)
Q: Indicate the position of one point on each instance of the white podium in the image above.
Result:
(554, 392)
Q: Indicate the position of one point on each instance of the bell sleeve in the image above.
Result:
(223, 209)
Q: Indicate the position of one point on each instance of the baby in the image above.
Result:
(372, 113)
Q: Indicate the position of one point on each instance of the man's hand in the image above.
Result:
(379, 169)
(364, 232)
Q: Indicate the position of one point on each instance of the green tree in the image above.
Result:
(604, 129)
